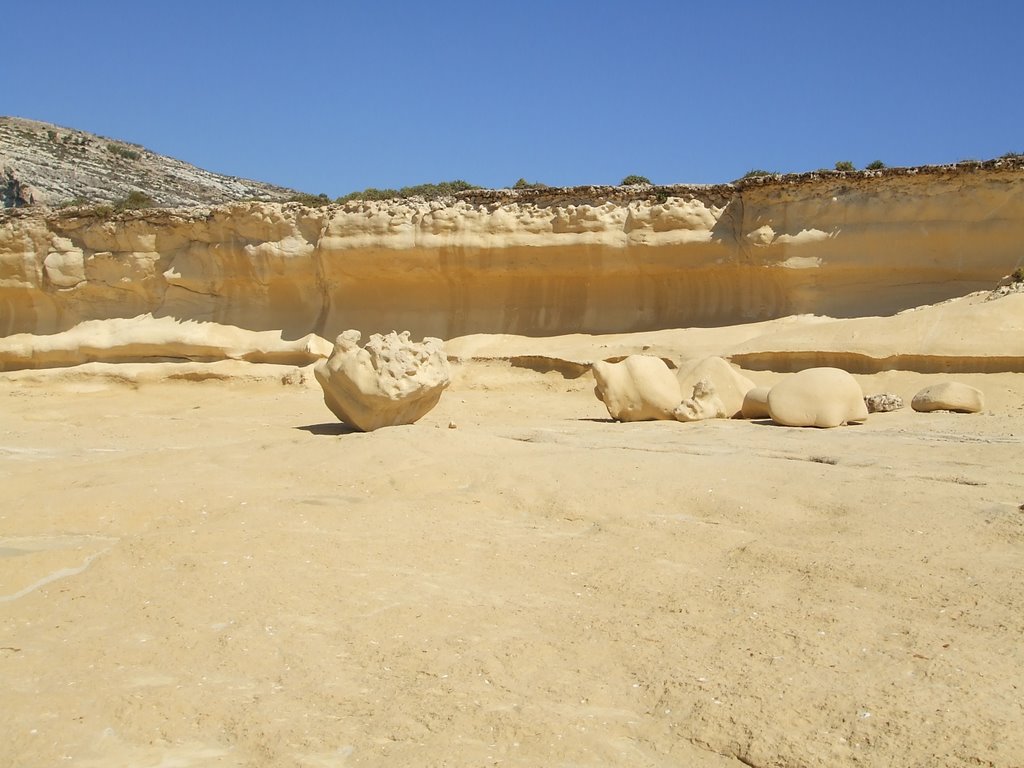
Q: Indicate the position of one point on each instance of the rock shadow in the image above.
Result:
(332, 428)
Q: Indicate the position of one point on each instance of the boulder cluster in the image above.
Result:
(643, 387)
(393, 381)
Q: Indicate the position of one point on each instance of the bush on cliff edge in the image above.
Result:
(426, 191)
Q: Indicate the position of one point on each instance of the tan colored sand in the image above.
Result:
(217, 574)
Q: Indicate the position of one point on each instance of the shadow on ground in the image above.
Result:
(334, 428)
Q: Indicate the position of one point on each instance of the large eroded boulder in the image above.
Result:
(637, 388)
(817, 397)
(949, 396)
(391, 381)
(728, 384)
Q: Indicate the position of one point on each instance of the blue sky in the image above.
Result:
(338, 96)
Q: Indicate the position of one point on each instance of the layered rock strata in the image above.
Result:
(148, 339)
(540, 262)
(46, 164)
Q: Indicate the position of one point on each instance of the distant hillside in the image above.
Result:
(44, 164)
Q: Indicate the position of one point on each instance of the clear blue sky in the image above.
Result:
(337, 96)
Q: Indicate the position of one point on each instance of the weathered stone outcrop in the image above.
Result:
(46, 164)
(14, 193)
(638, 388)
(817, 397)
(148, 339)
(703, 403)
(543, 262)
(949, 396)
(884, 402)
(390, 381)
(728, 385)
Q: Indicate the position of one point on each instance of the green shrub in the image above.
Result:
(312, 201)
(845, 165)
(634, 179)
(370, 193)
(134, 200)
(1017, 275)
(127, 154)
(427, 191)
(75, 202)
(524, 184)
(754, 173)
(875, 165)
(435, 191)
(103, 211)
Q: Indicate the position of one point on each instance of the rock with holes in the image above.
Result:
(391, 381)
(949, 396)
(885, 402)
(729, 385)
(704, 404)
(817, 397)
(755, 404)
(637, 388)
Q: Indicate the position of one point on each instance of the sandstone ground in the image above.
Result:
(220, 574)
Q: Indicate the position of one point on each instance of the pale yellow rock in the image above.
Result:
(755, 403)
(391, 381)
(949, 396)
(817, 397)
(728, 384)
(703, 404)
(638, 388)
(590, 262)
(146, 338)
(65, 264)
(985, 329)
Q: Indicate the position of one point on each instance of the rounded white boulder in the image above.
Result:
(949, 396)
(817, 397)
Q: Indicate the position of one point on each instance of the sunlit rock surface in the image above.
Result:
(390, 381)
(530, 262)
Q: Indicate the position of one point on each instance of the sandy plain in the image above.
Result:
(217, 573)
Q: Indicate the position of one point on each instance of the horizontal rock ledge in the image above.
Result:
(550, 263)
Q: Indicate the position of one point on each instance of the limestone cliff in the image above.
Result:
(536, 262)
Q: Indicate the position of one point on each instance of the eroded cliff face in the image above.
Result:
(543, 262)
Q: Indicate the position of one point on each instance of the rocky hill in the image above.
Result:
(44, 164)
